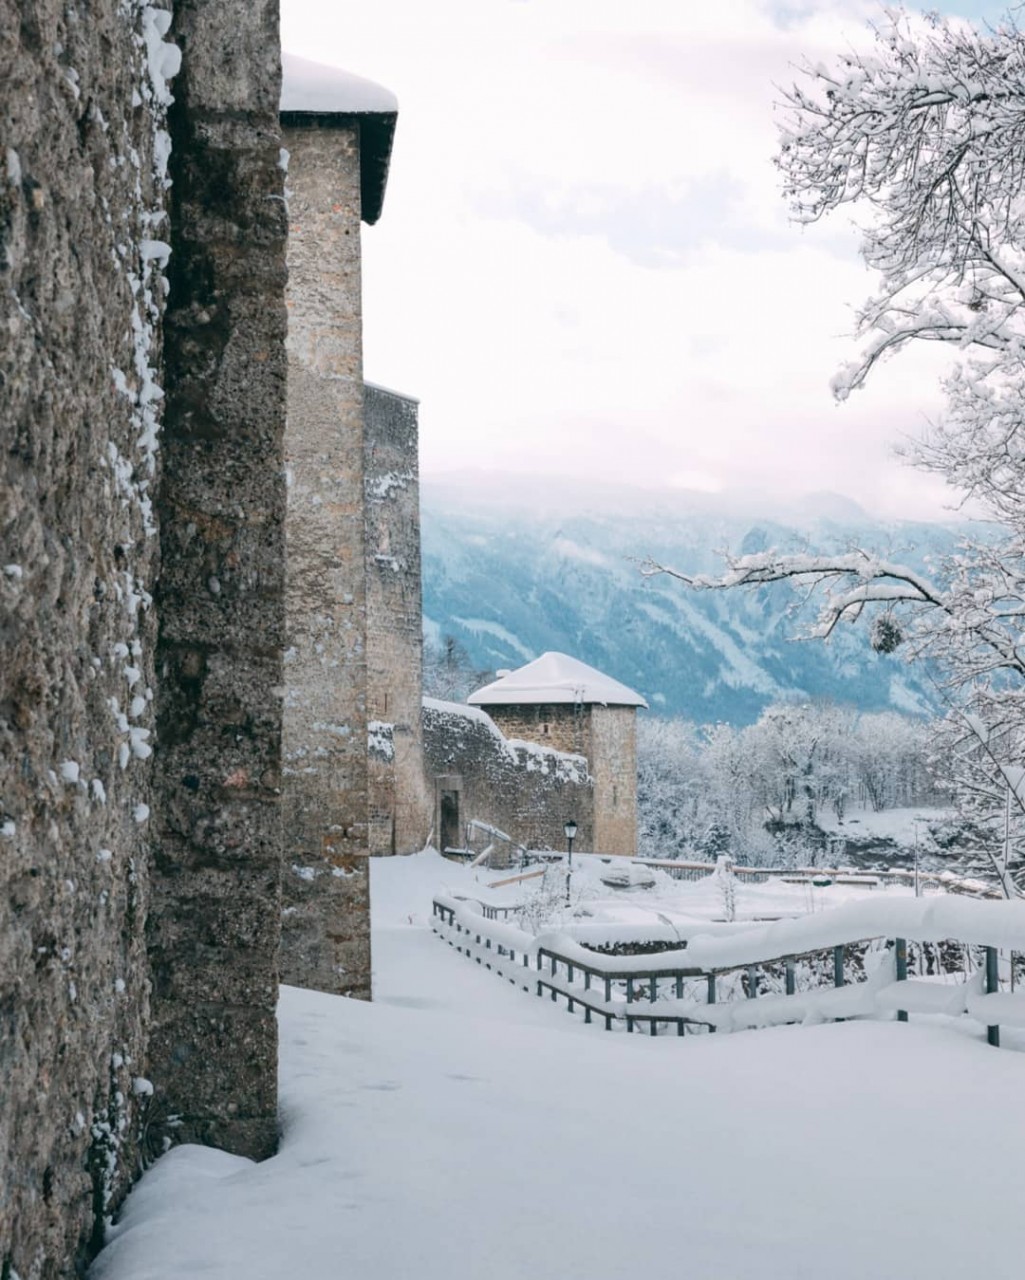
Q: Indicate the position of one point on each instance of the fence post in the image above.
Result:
(654, 988)
(790, 984)
(900, 946)
(711, 995)
(838, 978)
(752, 981)
(679, 986)
(992, 986)
(630, 991)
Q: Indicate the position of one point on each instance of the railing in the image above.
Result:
(678, 869)
(715, 980)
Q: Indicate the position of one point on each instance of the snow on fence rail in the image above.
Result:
(684, 987)
(679, 869)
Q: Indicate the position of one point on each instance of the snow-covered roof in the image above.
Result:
(315, 95)
(555, 677)
(324, 90)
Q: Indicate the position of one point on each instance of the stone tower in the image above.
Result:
(562, 703)
(337, 130)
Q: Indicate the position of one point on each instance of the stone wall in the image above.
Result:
(325, 922)
(98, 1046)
(562, 726)
(81, 192)
(214, 918)
(613, 761)
(400, 802)
(525, 790)
(607, 737)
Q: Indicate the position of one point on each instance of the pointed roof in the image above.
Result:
(555, 677)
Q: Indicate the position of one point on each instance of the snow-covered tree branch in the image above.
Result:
(924, 138)
(926, 135)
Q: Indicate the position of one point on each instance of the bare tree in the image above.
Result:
(926, 133)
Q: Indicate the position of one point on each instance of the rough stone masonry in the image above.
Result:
(107, 651)
(337, 132)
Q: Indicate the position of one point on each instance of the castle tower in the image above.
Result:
(337, 130)
(562, 703)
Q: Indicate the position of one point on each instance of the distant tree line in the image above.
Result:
(759, 793)
(450, 674)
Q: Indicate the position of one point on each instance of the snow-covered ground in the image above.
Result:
(677, 901)
(905, 827)
(458, 1128)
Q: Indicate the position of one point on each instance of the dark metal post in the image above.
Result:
(900, 946)
(992, 986)
(790, 985)
(838, 978)
(570, 829)
(752, 981)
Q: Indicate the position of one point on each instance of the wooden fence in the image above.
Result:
(667, 991)
(679, 869)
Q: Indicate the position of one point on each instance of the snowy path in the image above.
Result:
(459, 1128)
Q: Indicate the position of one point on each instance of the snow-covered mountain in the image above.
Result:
(515, 567)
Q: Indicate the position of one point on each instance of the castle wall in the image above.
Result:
(100, 538)
(399, 799)
(607, 737)
(613, 761)
(214, 917)
(562, 726)
(525, 790)
(80, 189)
(325, 922)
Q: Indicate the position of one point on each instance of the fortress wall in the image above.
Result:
(614, 766)
(326, 919)
(561, 726)
(81, 188)
(214, 918)
(400, 802)
(100, 1045)
(525, 790)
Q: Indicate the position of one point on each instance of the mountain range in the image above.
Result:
(514, 567)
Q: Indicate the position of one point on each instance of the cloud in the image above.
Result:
(584, 263)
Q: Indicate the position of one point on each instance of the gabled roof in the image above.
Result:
(555, 677)
(316, 96)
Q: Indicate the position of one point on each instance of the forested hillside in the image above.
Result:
(516, 569)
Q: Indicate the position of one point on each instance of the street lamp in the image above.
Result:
(571, 830)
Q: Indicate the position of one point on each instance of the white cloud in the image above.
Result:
(584, 262)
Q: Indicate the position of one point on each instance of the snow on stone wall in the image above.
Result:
(524, 789)
(138, 905)
(83, 181)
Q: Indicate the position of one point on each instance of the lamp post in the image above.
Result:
(571, 830)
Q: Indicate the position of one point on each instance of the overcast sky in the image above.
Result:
(584, 266)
